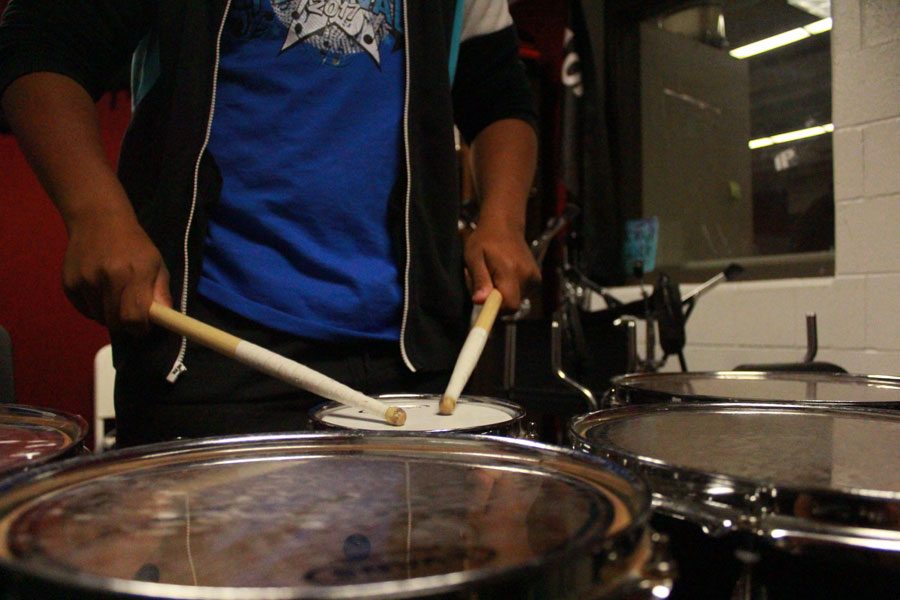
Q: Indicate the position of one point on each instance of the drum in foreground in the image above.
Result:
(32, 436)
(833, 389)
(813, 490)
(331, 516)
(473, 414)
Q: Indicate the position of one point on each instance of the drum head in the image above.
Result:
(749, 386)
(472, 415)
(833, 467)
(32, 436)
(323, 515)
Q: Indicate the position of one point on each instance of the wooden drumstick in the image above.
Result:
(271, 363)
(471, 352)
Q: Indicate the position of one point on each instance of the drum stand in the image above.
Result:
(602, 344)
(530, 344)
(663, 311)
(564, 321)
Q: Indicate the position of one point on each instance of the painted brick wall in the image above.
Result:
(859, 308)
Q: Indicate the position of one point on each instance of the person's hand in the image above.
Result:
(497, 256)
(112, 271)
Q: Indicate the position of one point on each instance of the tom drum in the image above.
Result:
(331, 515)
(807, 497)
(31, 436)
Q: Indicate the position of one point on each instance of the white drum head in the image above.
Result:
(471, 414)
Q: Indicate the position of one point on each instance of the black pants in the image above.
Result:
(219, 396)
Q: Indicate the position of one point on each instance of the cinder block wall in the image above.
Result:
(859, 308)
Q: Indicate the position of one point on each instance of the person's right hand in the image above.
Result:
(112, 271)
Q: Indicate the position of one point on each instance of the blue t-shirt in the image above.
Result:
(307, 136)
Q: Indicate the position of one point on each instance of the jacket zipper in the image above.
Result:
(178, 368)
(408, 198)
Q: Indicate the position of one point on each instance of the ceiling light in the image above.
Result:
(782, 39)
(817, 27)
(760, 143)
(770, 43)
(790, 136)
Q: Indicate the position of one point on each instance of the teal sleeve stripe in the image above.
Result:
(455, 39)
(144, 68)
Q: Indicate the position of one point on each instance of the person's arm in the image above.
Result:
(497, 256)
(494, 110)
(111, 271)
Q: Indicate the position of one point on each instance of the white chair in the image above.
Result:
(104, 406)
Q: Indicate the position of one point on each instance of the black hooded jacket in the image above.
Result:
(173, 182)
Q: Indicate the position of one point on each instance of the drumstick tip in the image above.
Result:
(447, 405)
(395, 415)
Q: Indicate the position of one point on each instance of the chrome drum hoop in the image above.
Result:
(830, 389)
(34, 436)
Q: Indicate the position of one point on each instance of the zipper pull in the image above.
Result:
(176, 372)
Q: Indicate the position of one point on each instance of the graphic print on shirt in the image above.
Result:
(336, 28)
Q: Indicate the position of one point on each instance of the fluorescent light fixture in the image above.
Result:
(818, 27)
(782, 39)
(770, 43)
(760, 143)
(791, 136)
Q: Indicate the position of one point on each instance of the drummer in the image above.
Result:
(288, 176)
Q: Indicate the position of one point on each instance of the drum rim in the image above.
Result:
(768, 504)
(515, 422)
(631, 383)
(67, 423)
(639, 503)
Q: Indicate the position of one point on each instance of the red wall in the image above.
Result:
(53, 345)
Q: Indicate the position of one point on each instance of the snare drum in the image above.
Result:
(32, 436)
(334, 515)
(473, 414)
(812, 490)
(833, 389)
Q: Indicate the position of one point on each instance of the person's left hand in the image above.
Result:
(497, 256)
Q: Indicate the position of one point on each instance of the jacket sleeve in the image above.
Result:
(490, 82)
(90, 41)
